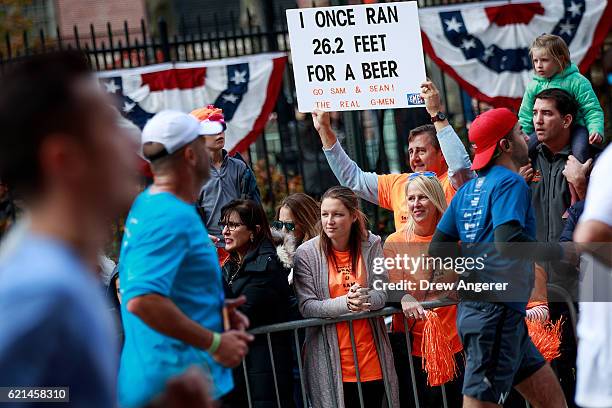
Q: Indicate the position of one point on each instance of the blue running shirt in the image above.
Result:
(166, 251)
(496, 197)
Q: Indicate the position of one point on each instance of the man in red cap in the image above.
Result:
(489, 215)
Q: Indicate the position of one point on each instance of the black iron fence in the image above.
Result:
(287, 157)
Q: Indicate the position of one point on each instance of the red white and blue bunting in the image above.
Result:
(485, 46)
(246, 88)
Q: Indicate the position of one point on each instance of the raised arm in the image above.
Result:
(453, 150)
(348, 173)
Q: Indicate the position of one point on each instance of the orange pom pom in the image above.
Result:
(546, 336)
(438, 358)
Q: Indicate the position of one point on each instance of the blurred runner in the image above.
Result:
(63, 153)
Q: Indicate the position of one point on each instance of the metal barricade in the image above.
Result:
(295, 326)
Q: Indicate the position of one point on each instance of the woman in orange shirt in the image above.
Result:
(334, 275)
(425, 202)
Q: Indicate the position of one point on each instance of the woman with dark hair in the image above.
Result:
(254, 270)
(334, 275)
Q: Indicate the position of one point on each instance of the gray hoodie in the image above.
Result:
(232, 181)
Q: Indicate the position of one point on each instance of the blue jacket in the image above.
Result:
(574, 213)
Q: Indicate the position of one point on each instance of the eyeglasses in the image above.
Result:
(422, 173)
(278, 225)
(231, 226)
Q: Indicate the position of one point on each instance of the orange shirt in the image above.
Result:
(400, 243)
(340, 281)
(392, 194)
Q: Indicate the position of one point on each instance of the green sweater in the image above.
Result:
(570, 80)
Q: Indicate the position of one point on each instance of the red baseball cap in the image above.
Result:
(486, 130)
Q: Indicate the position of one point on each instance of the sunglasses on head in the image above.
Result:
(278, 225)
(422, 173)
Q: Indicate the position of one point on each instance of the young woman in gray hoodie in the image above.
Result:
(333, 276)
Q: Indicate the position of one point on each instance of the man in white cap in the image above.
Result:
(171, 282)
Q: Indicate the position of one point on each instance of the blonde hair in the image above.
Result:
(431, 187)
(555, 47)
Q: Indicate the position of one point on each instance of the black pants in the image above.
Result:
(373, 394)
(428, 396)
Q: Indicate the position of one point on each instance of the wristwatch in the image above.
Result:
(440, 116)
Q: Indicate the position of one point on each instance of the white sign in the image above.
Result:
(357, 57)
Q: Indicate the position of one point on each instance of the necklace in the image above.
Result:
(235, 274)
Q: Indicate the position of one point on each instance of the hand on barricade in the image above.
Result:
(232, 317)
(233, 348)
(358, 299)
(412, 308)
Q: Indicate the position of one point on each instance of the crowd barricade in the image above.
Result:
(296, 326)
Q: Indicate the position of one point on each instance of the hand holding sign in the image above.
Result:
(321, 120)
(431, 95)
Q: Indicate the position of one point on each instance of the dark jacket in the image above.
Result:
(573, 214)
(263, 280)
(551, 194)
(551, 200)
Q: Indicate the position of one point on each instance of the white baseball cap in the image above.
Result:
(172, 129)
